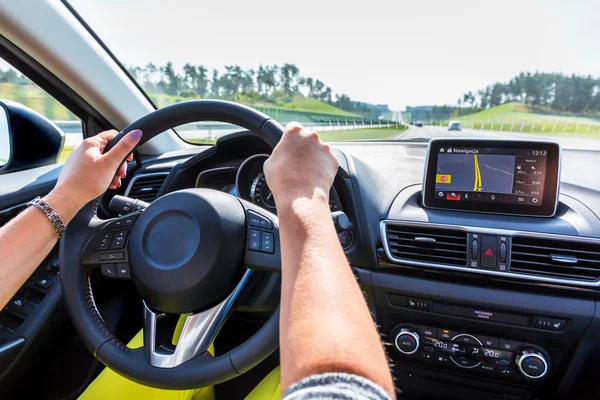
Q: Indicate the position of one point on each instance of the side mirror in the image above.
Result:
(27, 138)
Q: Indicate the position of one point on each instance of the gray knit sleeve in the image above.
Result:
(335, 386)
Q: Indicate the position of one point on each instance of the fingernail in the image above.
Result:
(136, 134)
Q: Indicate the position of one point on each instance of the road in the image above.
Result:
(442, 132)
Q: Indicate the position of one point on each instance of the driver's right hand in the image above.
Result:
(301, 166)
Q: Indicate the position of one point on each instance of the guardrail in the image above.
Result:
(213, 130)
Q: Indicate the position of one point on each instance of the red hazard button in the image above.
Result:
(489, 258)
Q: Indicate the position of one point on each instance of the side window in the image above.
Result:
(18, 88)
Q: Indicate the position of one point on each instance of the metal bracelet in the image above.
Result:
(52, 215)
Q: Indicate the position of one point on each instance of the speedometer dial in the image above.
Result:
(260, 192)
(251, 185)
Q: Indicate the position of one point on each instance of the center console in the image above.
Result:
(488, 356)
(460, 340)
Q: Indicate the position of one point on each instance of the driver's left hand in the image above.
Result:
(88, 173)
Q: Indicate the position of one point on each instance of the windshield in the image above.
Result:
(370, 71)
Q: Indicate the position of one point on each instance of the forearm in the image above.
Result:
(25, 241)
(323, 308)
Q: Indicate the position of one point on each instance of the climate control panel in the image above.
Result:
(494, 357)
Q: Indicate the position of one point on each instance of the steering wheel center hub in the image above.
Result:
(185, 250)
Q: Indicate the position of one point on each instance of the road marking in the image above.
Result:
(477, 185)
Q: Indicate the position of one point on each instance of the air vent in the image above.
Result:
(429, 245)
(145, 187)
(555, 258)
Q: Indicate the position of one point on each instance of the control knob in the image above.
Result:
(407, 341)
(531, 363)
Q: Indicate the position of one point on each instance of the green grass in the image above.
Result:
(309, 104)
(517, 117)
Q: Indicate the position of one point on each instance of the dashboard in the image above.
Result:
(473, 303)
(247, 181)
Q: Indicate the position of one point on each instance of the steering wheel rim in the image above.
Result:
(135, 364)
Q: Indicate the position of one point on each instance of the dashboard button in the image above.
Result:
(506, 371)
(466, 339)
(254, 240)
(502, 253)
(426, 356)
(508, 345)
(489, 341)
(427, 331)
(258, 220)
(446, 334)
(418, 304)
(489, 252)
(266, 244)
(549, 323)
(441, 359)
(465, 362)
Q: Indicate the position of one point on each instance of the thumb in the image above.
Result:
(125, 146)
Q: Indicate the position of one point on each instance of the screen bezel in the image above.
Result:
(551, 184)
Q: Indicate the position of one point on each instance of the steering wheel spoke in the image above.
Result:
(198, 333)
(107, 248)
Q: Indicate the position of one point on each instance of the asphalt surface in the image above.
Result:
(429, 132)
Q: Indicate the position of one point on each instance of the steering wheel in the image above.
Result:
(191, 252)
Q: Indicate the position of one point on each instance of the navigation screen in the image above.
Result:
(513, 176)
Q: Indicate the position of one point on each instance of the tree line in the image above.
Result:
(269, 83)
(560, 92)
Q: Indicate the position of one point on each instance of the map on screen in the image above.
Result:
(475, 172)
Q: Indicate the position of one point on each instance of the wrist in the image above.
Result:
(65, 206)
(299, 199)
(293, 207)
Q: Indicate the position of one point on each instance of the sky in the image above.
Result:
(399, 53)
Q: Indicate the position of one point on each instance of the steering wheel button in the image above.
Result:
(128, 221)
(266, 245)
(255, 219)
(103, 241)
(123, 271)
(109, 271)
(254, 240)
(118, 241)
(117, 255)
